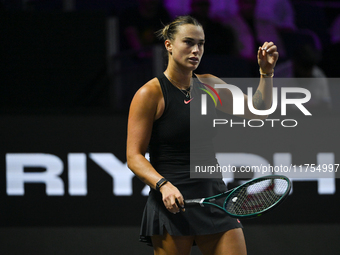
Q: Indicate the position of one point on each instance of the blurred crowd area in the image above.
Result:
(307, 34)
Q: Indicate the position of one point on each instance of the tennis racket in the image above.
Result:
(250, 199)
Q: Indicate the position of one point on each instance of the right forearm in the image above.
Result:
(142, 168)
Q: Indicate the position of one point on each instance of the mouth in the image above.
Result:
(194, 59)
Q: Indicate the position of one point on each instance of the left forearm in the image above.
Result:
(267, 56)
(262, 99)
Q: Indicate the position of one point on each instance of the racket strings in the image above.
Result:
(256, 197)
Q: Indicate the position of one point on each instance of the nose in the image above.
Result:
(195, 49)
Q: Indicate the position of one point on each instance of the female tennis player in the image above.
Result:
(159, 119)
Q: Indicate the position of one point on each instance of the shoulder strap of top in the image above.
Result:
(163, 81)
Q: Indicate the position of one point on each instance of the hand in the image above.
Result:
(267, 57)
(172, 198)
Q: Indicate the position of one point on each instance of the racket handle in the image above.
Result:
(194, 202)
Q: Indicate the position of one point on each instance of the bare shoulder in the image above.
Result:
(148, 99)
(150, 90)
(209, 79)
(205, 76)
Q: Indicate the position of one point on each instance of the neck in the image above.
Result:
(182, 79)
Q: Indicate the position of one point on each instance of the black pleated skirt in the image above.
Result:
(195, 220)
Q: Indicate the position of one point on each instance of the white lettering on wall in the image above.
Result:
(53, 166)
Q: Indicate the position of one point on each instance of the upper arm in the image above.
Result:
(226, 96)
(224, 93)
(143, 110)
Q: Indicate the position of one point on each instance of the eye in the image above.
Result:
(188, 42)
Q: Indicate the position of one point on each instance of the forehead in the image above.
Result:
(191, 31)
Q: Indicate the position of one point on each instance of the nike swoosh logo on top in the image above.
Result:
(187, 102)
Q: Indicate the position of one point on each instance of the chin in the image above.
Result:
(193, 67)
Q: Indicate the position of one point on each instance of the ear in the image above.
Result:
(168, 46)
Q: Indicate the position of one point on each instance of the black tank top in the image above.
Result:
(182, 134)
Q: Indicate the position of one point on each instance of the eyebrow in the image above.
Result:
(192, 39)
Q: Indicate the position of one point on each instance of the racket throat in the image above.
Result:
(201, 202)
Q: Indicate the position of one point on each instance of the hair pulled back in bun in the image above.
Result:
(169, 31)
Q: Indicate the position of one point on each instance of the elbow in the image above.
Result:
(257, 117)
(133, 161)
(129, 161)
(263, 117)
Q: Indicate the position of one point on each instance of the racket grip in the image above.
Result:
(194, 202)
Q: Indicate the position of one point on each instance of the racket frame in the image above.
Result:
(229, 193)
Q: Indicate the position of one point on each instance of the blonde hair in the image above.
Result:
(169, 31)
